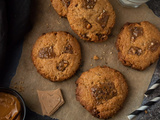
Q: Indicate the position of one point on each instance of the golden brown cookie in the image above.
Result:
(138, 45)
(61, 6)
(56, 55)
(102, 91)
(92, 20)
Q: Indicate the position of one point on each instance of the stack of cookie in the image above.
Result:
(101, 90)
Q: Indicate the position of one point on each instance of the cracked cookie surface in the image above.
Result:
(138, 45)
(92, 20)
(56, 55)
(102, 91)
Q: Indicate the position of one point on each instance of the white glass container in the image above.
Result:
(132, 3)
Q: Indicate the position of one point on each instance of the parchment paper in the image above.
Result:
(27, 81)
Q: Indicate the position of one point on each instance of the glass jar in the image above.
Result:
(132, 3)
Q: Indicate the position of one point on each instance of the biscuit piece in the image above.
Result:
(102, 91)
(50, 101)
(56, 55)
(61, 6)
(92, 20)
(138, 45)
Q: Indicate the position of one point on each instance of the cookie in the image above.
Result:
(102, 91)
(138, 45)
(61, 6)
(56, 55)
(92, 20)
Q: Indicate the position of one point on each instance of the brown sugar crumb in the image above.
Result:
(96, 57)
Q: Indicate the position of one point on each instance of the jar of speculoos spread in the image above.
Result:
(12, 106)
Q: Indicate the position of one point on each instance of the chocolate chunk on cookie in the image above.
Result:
(138, 45)
(46, 53)
(92, 20)
(136, 32)
(61, 6)
(56, 55)
(102, 91)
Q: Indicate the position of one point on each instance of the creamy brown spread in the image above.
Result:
(9, 107)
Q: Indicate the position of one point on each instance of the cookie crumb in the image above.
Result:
(104, 52)
(91, 64)
(101, 58)
(96, 57)
(111, 53)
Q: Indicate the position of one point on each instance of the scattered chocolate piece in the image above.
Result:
(66, 3)
(61, 66)
(101, 36)
(68, 48)
(136, 32)
(87, 25)
(89, 4)
(84, 36)
(135, 50)
(46, 53)
(153, 46)
(103, 19)
(103, 92)
(50, 101)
